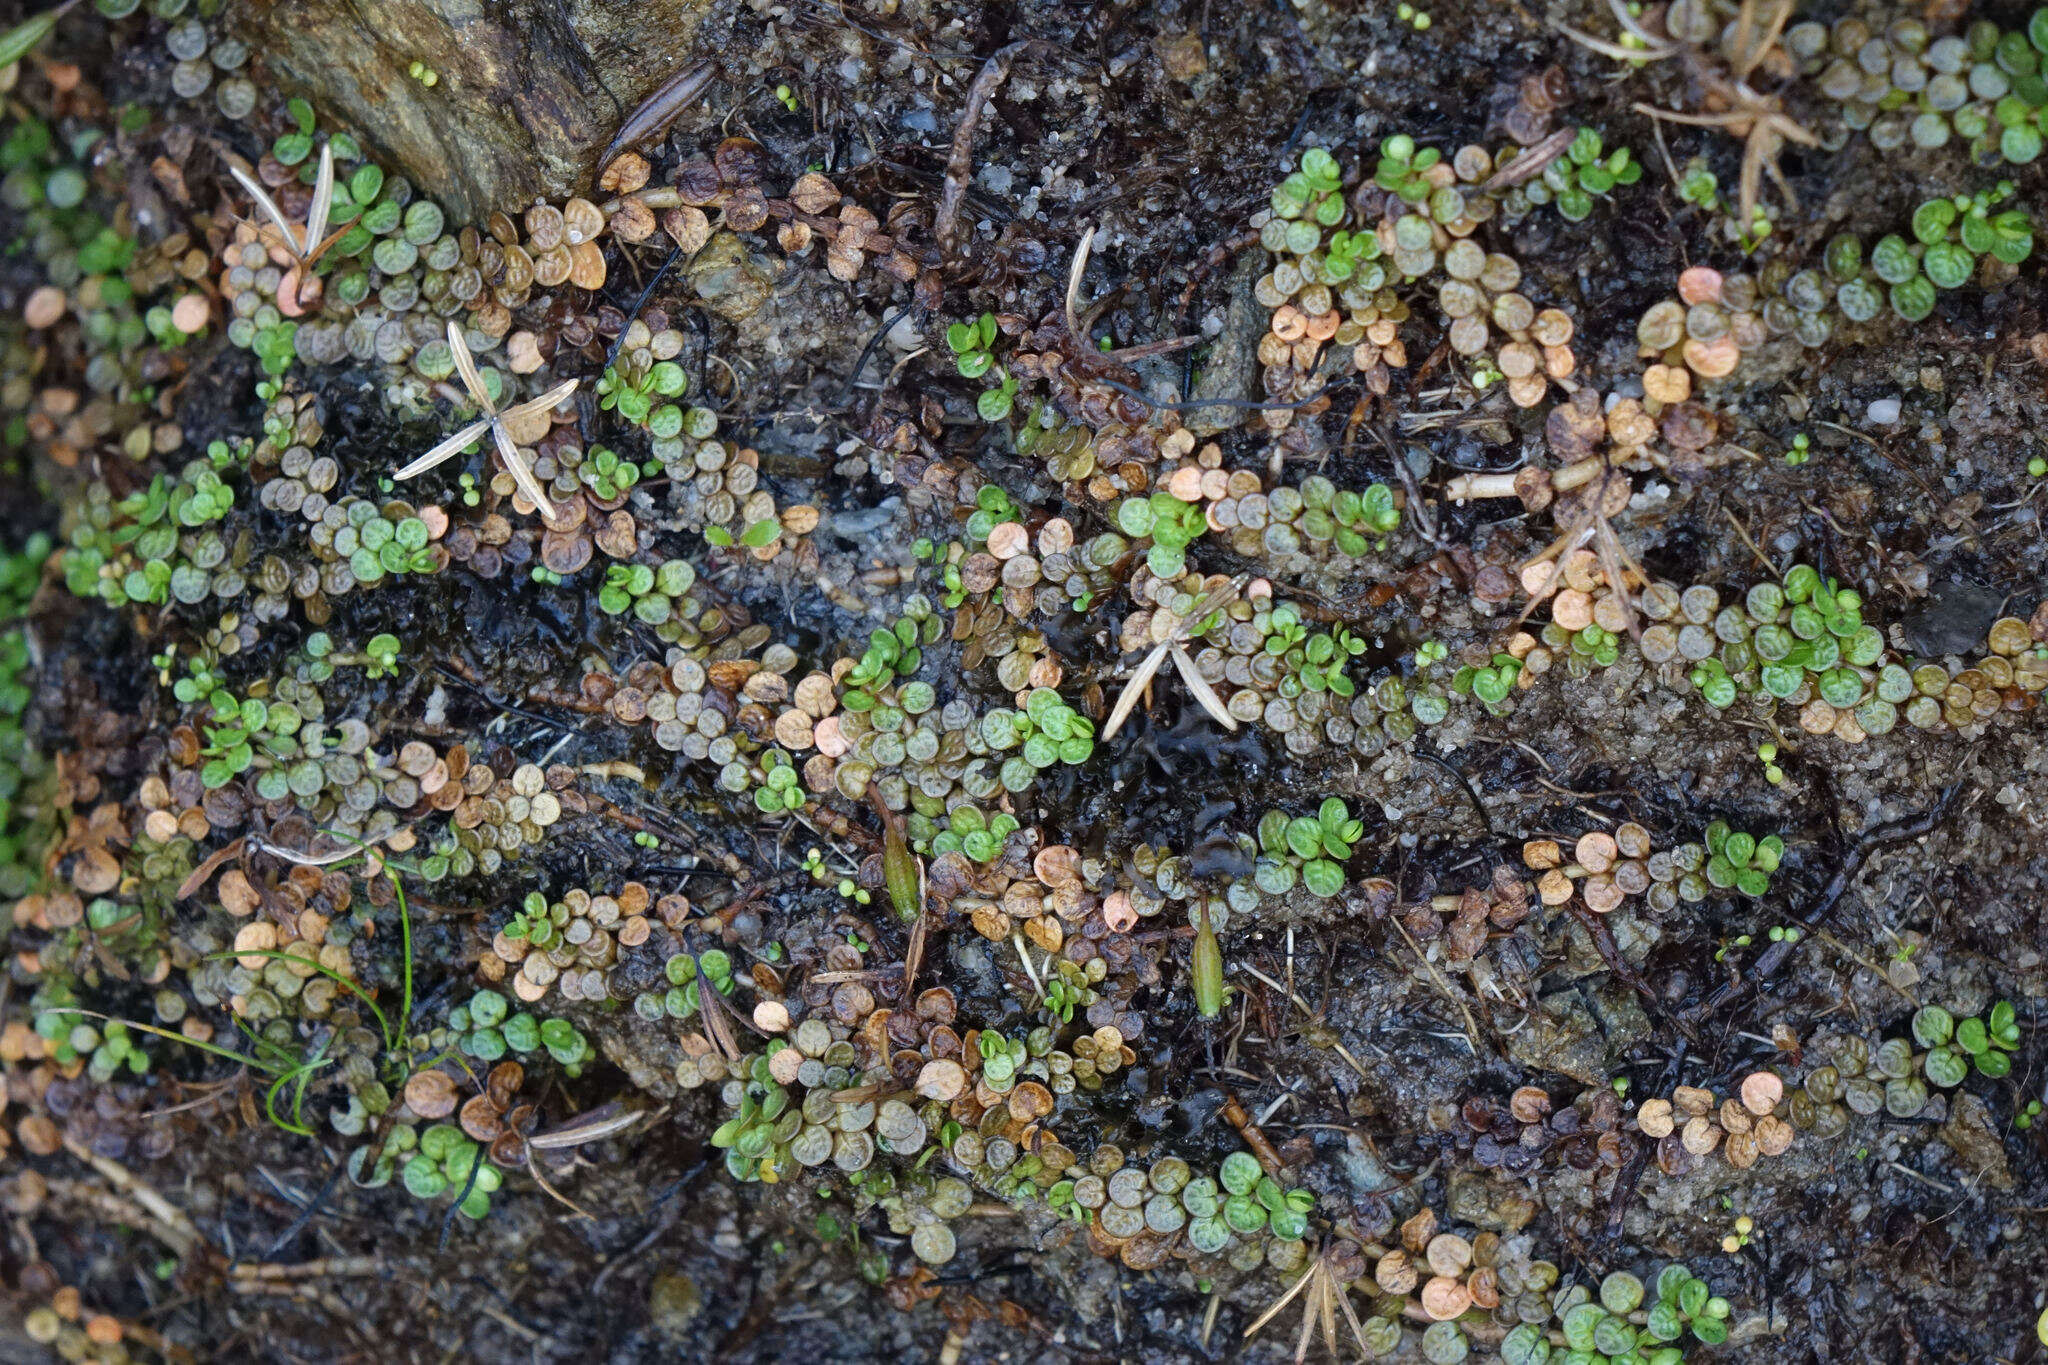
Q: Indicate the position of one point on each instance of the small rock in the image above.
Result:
(1883, 411)
(1955, 620)
(732, 281)
(1562, 1037)
(673, 1303)
(1181, 55)
(1970, 1135)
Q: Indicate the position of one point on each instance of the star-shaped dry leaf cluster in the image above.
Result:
(1213, 601)
(494, 422)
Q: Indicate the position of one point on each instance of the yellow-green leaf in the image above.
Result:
(22, 38)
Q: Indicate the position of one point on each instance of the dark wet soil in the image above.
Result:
(1887, 1244)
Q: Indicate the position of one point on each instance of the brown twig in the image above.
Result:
(960, 161)
(307, 1270)
(134, 1187)
(1529, 162)
(1262, 1147)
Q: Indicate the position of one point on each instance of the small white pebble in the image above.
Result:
(1883, 411)
(904, 334)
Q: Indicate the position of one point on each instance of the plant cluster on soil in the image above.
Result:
(1312, 680)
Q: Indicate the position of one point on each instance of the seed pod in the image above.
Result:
(1208, 961)
(900, 871)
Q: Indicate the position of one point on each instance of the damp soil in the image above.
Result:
(1162, 126)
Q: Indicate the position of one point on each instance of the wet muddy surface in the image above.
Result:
(1374, 1042)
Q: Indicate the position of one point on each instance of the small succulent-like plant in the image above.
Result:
(759, 535)
(1317, 661)
(1046, 732)
(891, 655)
(1585, 173)
(232, 737)
(993, 506)
(648, 592)
(1949, 237)
(971, 343)
(638, 398)
(1954, 1046)
(1172, 526)
(1311, 848)
(606, 474)
(1404, 168)
(968, 831)
(1255, 1202)
(1063, 994)
(531, 922)
(380, 656)
(1616, 1327)
(141, 551)
(779, 790)
(1741, 862)
(1491, 683)
(686, 975)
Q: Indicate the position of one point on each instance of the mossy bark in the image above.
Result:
(527, 95)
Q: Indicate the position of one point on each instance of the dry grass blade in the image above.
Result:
(1308, 1316)
(1751, 48)
(1764, 131)
(304, 243)
(594, 1126)
(560, 1198)
(1343, 1298)
(1326, 1301)
(711, 1007)
(1607, 49)
(1207, 605)
(268, 205)
(465, 365)
(1529, 163)
(522, 474)
(1614, 559)
(1656, 46)
(323, 203)
(1653, 49)
(1319, 1310)
(1273, 1309)
(1074, 279)
(547, 402)
(1135, 688)
(1574, 536)
(444, 450)
(1199, 685)
(1212, 601)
